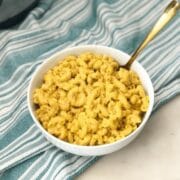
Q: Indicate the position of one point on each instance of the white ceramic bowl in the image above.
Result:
(122, 58)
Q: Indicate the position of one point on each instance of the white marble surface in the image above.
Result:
(155, 154)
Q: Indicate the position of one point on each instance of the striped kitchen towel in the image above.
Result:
(50, 27)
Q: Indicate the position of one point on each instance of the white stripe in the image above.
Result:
(164, 37)
(27, 174)
(165, 93)
(82, 17)
(22, 156)
(20, 69)
(163, 59)
(83, 36)
(37, 143)
(68, 169)
(161, 79)
(132, 28)
(46, 155)
(168, 88)
(163, 42)
(116, 5)
(5, 112)
(8, 124)
(35, 40)
(75, 170)
(116, 35)
(36, 12)
(10, 106)
(56, 7)
(47, 163)
(59, 169)
(16, 80)
(10, 35)
(23, 176)
(18, 143)
(16, 92)
(52, 166)
(170, 75)
(64, 13)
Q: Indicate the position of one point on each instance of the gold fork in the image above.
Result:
(168, 14)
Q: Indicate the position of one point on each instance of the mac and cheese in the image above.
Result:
(89, 100)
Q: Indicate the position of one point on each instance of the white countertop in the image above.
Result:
(155, 154)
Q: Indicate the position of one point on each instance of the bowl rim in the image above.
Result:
(85, 147)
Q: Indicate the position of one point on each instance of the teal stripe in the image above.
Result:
(32, 138)
(13, 109)
(22, 126)
(15, 172)
(69, 164)
(82, 169)
(20, 74)
(59, 157)
(165, 100)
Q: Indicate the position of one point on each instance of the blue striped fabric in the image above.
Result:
(50, 27)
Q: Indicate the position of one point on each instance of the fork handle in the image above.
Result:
(168, 14)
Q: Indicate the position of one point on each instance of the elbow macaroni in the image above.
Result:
(89, 100)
